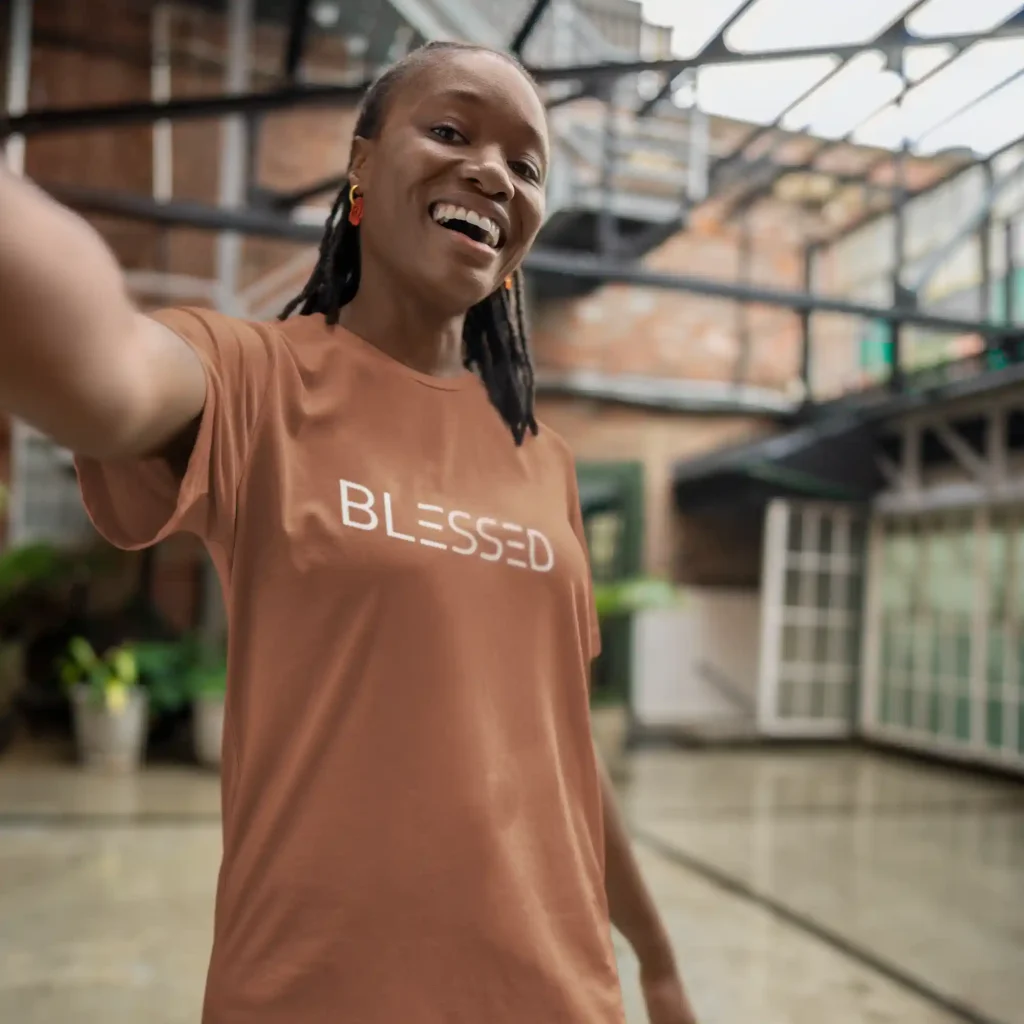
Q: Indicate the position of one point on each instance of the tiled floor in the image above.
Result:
(800, 888)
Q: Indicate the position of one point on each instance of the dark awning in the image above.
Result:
(832, 460)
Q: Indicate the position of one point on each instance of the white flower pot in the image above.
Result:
(208, 729)
(110, 740)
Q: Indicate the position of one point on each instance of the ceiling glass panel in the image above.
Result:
(853, 94)
(848, 105)
(972, 74)
(949, 17)
(694, 22)
(979, 69)
(885, 129)
(986, 127)
(760, 91)
(919, 61)
(786, 24)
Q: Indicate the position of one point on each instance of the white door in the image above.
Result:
(810, 619)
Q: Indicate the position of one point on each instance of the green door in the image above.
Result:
(612, 498)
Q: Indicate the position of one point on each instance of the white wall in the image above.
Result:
(699, 662)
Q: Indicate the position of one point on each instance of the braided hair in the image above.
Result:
(494, 336)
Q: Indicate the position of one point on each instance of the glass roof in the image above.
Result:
(946, 97)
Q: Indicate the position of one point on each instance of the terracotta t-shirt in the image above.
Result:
(412, 810)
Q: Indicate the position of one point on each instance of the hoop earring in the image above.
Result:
(355, 202)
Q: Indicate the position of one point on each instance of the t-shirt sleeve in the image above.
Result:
(137, 502)
(591, 628)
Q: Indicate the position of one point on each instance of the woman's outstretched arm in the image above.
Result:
(77, 360)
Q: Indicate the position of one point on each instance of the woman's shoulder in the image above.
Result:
(217, 333)
(549, 438)
(221, 329)
(551, 447)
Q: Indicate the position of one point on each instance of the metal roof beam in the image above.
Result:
(826, 146)
(289, 200)
(894, 31)
(41, 122)
(530, 22)
(716, 44)
(298, 34)
(1014, 27)
(38, 122)
(549, 261)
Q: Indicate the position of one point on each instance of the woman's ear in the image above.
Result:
(359, 162)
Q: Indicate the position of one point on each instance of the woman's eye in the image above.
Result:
(526, 170)
(447, 133)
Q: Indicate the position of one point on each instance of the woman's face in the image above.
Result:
(453, 185)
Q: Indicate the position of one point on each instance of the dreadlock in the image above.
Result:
(494, 337)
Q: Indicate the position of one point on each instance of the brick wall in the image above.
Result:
(625, 329)
(657, 440)
(113, 66)
(116, 158)
(667, 334)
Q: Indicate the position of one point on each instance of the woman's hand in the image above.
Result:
(665, 997)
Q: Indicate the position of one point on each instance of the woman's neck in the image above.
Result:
(405, 330)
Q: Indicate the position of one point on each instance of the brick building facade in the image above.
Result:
(615, 329)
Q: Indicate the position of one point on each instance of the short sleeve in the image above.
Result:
(591, 628)
(135, 503)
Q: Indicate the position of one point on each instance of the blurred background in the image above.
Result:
(777, 312)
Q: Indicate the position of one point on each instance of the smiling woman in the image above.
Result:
(464, 149)
(416, 825)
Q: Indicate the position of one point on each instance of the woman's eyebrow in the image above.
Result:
(466, 94)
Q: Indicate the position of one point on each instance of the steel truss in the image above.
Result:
(266, 213)
(44, 121)
(267, 224)
(983, 472)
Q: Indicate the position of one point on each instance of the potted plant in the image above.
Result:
(207, 684)
(109, 708)
(187, 674)
(29, 578)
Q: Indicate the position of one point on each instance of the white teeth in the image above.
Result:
(445, 212)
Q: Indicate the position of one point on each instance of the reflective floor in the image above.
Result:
(800, 888)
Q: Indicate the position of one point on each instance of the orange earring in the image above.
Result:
(355, 202)
(509, 282)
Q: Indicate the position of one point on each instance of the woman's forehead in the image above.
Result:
(483, 81)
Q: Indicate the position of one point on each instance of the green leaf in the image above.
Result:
(82, 654)
(125, 668)
(627, 596)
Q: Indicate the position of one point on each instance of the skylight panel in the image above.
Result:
(760, 91)
(694, 22)
(950, 17)
(791, 24)
(986, 127)
(853, 94)
(919, 61)
(979, 69)
(884, 130)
